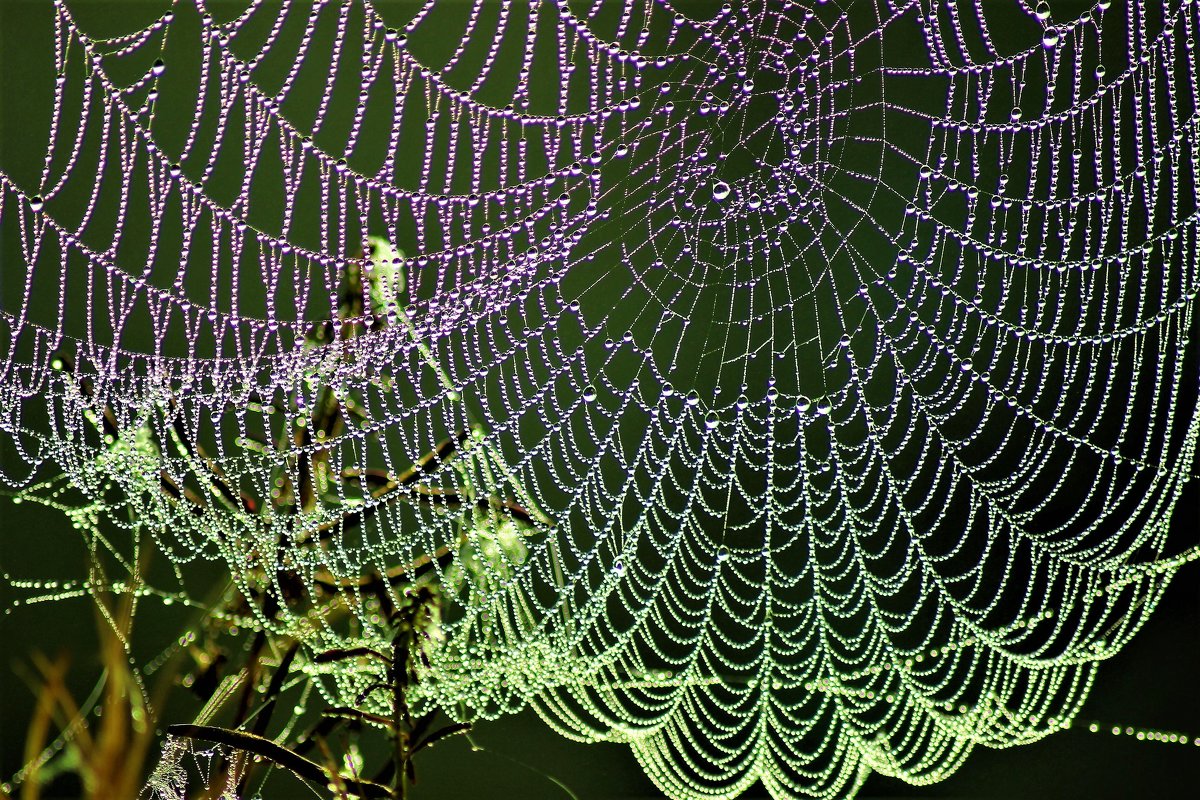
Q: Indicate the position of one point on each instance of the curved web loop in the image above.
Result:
(823, 375)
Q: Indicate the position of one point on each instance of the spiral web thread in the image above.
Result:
(846, 352)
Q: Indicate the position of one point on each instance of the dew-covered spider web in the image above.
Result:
(819, 379)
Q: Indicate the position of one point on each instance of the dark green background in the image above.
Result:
(1154, 683)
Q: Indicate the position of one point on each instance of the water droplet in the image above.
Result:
(710, 420)
(720, 190)
(618, 568)
(36, 203)
(693, 398)
(1042, 11)
(755, 201)
(589, 394)
(1050, 38)
(722, 554)
(158, 68)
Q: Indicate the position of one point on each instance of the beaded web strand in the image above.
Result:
(818, 380)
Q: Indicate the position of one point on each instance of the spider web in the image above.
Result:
(847, 351)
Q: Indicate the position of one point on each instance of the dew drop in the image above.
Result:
(720, 190)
